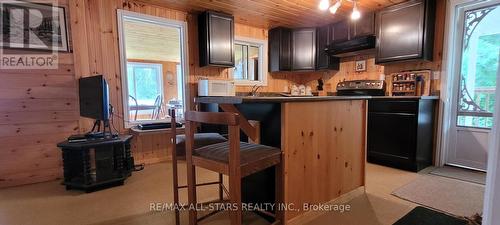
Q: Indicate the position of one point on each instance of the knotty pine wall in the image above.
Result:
(40, 108)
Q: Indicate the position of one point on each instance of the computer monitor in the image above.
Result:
(94, 98)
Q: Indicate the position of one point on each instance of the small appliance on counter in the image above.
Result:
(216, 88)
(361, 88)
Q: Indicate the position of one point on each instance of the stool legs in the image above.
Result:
(235, 175)
(191, 180)
(221, 190)
(235, 214)
(176, 190)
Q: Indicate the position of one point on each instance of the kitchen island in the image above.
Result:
(323, 140)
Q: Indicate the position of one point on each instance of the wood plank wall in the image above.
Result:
(40, 108)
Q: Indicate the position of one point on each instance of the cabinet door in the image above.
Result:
(392, 137)
(279, 49)
(400, 31)
(216, 39)
(364, 26)
(340, 31)
(304, 49)
(322, 58)
(285, 50)
(221, 38)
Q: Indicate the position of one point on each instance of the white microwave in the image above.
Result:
(216, 88)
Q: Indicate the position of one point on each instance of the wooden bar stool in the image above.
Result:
(178, 146)
(233, 158)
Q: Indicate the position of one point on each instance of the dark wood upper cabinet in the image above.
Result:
(364, 26)
(216, 39)
(323, 60)
(304, 49)
(406, 31)
(340, 31)
(280, 53)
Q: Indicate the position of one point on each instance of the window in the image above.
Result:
(145, 89)
(479, 67)
(250, 62)
(153, 66)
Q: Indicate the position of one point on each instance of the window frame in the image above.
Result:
(123, 15)
(262, 45)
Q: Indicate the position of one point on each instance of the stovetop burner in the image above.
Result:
(361, 87)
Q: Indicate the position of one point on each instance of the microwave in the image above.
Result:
(216, 88)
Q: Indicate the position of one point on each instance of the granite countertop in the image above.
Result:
(247, 99)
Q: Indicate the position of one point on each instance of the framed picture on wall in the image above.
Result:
(360, 66)
(34, 26)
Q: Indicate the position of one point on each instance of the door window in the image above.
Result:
(479, 67)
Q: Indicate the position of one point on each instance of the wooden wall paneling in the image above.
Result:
(38, 109)
(334, 134)
(10, 180)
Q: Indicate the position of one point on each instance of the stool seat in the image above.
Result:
(253, 157)
(200, 140)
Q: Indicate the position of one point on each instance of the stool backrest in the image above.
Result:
(218, 118)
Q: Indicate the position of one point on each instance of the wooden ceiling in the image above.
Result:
(152, 42)
(272, 13)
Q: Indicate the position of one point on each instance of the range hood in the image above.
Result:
(356, 46)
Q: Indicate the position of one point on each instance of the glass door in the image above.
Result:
(477, 68)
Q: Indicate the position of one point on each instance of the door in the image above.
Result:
(476, 67)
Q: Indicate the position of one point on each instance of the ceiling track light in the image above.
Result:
(355, 12)
(325, 5)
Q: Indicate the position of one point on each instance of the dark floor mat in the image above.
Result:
(425, 216)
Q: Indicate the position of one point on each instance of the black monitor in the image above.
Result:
(94, 98)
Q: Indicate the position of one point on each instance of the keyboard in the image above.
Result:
(156, 126)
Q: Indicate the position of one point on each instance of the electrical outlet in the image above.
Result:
(436, 75)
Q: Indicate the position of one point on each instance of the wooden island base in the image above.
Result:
(324, 151)
(323, 140)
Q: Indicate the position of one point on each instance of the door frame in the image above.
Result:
(451, 49)
(492, 192)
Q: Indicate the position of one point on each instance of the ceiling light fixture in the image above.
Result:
(325, 4)
(335, 6)
(355, 12)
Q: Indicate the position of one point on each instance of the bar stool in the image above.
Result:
(233, 158)
(178, 146)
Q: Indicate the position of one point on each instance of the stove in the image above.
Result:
(361, 88)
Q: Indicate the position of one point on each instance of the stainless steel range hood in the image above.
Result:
(358, 46)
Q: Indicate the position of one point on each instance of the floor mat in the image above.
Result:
(452, 196)
(460, 174)
(424, 216)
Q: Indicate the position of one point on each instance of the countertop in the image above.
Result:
(249, 99)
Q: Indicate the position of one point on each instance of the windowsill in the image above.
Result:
(138, 132)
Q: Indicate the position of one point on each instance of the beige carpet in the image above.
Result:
(167, 218)
(461, 174)
(451, 196)
(50, 204)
